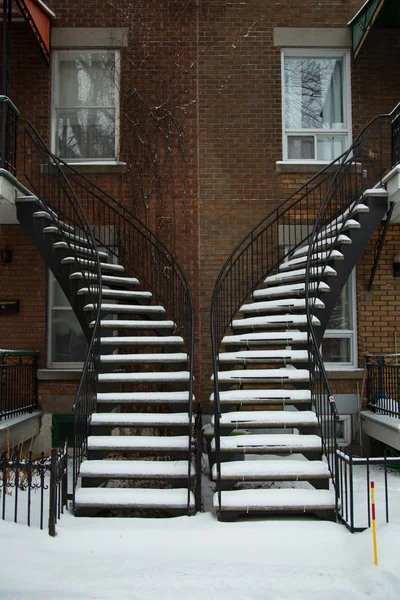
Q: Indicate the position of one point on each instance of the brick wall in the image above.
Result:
(205, 90)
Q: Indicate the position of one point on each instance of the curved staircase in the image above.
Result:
(134, 448)
(274, 412)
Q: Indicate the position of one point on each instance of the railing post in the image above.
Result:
(53, 493)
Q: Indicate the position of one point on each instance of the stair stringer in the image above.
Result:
(369, 223)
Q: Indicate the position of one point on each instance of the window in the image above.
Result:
(316, 104)
(66, 342)
(85, 107)
(339, 348)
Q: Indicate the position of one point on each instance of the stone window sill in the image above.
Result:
(102, 166)
(349, 373)
(294, 166)
(59, 374)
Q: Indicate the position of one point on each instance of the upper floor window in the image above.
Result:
(85, 104)
(316, 104)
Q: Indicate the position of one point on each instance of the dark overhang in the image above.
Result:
(39, 16)
(373, 13)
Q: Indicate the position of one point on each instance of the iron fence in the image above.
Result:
(354, 514)
(31, 487)
(18, 382)
(8, 135)
(383, 384)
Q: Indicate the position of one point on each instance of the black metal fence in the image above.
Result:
(29, 488)
(383, 384)
(18, 383)
(8, 135)
(356, 515)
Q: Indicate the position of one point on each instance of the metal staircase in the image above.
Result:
(274, 412)
(134, 422)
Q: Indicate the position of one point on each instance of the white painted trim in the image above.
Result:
(347, 131)
(112, 159)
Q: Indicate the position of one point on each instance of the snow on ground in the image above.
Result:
(199, 557)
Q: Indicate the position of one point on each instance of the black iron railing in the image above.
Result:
(30, 487)
(45, 177)
(8, 135)
(297, 221)
(18, 383)
(93, 214)
(353, 478)
(383, 384)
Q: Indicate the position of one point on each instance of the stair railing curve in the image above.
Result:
(361, 167)
(259, 254)
(47, 180)
(143, 254)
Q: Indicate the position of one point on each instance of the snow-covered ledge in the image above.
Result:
(18, 430)
(384, 428)
(392, 183)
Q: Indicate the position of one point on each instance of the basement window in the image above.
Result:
(339, 346)
(66, 341)
(316, 104)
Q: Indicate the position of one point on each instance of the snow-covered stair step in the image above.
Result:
(154, 340)
(268, 396)
(107, 279)
(143, 377)
(77, 239)
(272, 470)
(340, 239)
(255, 356)
(134, 324)
(139, 419)
(277, 338)
(91, 264)
(133, 498)
(284, 375)
(299, 275)
(276, 500)
(116, 294)
(294, 263)
(175, 357)
(137, 309)
(46, 214)
(272, 321)
(136, 469)
(332, 228)
(290, 291)
(268, 418)
(281, 305)
(138, 443)
(79, 249)
(358, 208)
(145, 398)
(271, 443)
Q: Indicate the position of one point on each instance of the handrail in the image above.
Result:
(45, 177)
(143, 255)
(293, 223)
(362, 167)
(6, 100)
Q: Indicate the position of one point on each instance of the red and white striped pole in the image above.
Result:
(374, 523)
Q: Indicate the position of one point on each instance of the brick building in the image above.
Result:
(201, 134)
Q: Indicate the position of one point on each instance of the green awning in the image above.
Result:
(374, 13)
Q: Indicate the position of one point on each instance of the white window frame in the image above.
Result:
(87, 160)
(317, 53)
(50, 363)
(350, 334)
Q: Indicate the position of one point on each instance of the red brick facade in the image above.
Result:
(201, 131)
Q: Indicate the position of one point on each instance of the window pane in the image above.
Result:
(59, 298)
(330, 146)
(313, 93)
(86, 133)
(341, 313)
(300, 147)
(86, 79)
(336, 350)
(68, 343)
